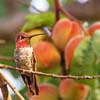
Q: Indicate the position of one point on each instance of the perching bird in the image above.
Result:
(24, 58)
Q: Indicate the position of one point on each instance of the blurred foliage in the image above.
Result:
(7, 49)
(24, 6)
(55, 70)
(3, 8)
(51, 2)
(39, 20)
(68, 1)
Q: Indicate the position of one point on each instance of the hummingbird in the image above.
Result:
(25, 59)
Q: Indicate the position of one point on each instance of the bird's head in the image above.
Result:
(23, 39)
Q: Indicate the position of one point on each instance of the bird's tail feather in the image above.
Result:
(35, 85)
(30, 81)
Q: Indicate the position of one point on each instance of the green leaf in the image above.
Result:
(84, 61)
(39, 20)
(51, 2)
(96, 48)
(84, 57)
(96, 43)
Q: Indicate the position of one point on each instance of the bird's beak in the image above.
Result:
(34, 35)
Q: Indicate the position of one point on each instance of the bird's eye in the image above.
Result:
(21, 37)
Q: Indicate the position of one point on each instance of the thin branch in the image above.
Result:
(65, 12)
(11, 86)
(59, 7)
(50, 75)
(5, 92)
(4, 89)
(57, 10)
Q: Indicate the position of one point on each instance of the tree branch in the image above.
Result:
(66, 13)
(59, 7)
(85, 11)
(4, 89)
(57, 10)
(11, 86)
(50, 75)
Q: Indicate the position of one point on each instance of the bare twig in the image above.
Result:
(65, 12)
(59, 7)
(4, 89)
(6, 58)
(57, 10)
(5, 92)
(50, 75)
(11, 86)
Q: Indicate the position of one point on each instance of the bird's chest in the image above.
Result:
(24, 58)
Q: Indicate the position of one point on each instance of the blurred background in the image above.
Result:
(12, 18)
(13, 12)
